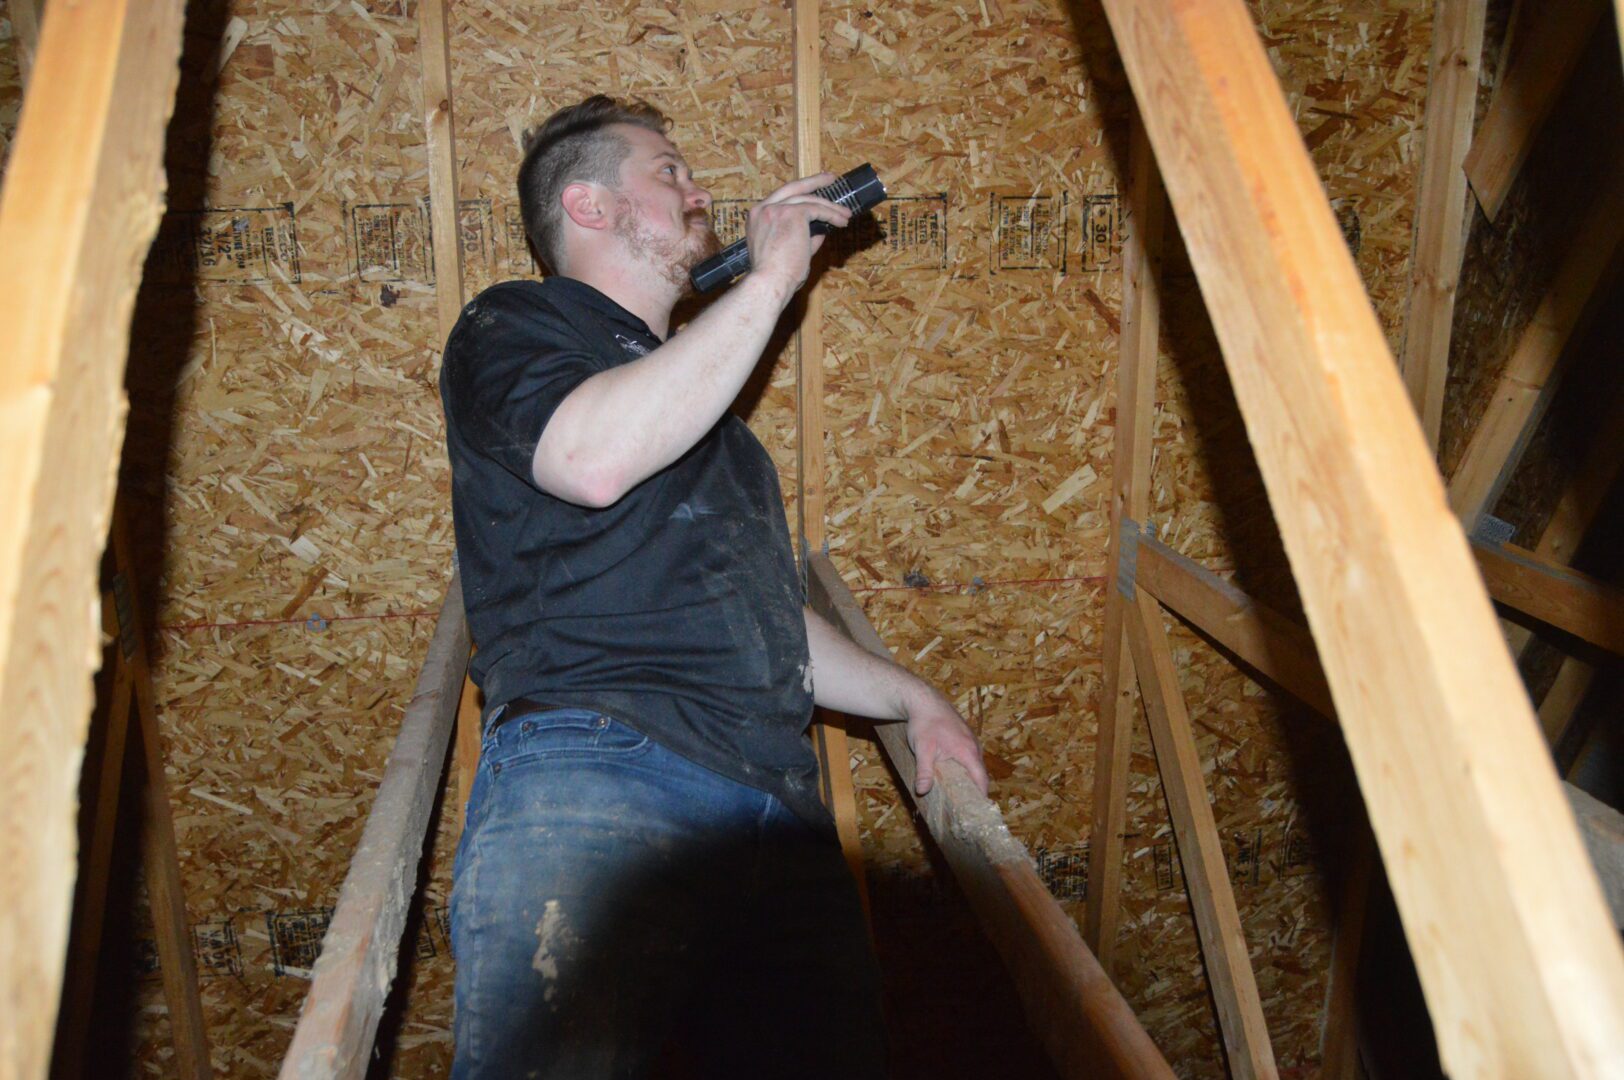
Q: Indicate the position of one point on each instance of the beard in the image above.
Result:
(671, 258)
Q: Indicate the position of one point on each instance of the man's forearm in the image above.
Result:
(847, 678)
(623, 425)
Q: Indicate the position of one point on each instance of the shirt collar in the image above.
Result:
(580, 292)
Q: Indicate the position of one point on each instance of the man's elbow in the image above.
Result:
(577, 479)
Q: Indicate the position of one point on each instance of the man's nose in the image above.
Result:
(699, 198)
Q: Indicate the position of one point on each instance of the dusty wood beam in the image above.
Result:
(1567, 599)
(1521, 968)
(1534, 78)
(1135, 404)
(1080, 1017)
(351, 979)
(82, 199)
(1527, 383)
(1212, 897)
(829, 740)
(1441, 203)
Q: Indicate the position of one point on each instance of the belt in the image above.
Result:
(523, 706)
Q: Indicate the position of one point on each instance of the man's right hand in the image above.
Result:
(780, 229)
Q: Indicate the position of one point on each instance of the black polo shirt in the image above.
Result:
(678, 610)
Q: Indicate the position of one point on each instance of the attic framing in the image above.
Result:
(1366, 522)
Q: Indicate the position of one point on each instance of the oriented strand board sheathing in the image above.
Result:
(970, 431)
(284, 408)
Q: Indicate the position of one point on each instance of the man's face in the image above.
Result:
(661, 216)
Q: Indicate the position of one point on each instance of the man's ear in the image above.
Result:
(586, 205)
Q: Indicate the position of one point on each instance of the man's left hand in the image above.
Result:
(937, 733)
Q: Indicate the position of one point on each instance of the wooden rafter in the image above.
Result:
(1071, 1005)
(1517, 958)
(829, 740)
(1584, 606)
(25, 19)
(1212, 897)
(352, 976)
(82, 199)
(1441, 203)
(1137, 655)
(1545, 59)
(1527, 383)
(1576, 508)
(1273, 647)
(1136, 398)
(450, 292)
(132, 693)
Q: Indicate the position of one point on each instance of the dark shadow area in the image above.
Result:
(950, 1004)
(386, 1045)
(167, 306)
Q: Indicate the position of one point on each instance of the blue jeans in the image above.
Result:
(616, 909)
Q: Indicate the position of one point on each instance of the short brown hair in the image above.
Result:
(575, 145)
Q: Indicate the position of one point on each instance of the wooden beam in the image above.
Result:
(96, 859)
(82, 199)
(25, 21)
(440, 130)
(1339, 1034)
(1082, 1020)
(352, 976)
(160, 854)
(439, 122)
(1545, 59)
(1563, 699)
(469, 735)
(1567, 599)
(1521, 968)
(1525, 387)
(1441, 203)
(1144, 223)
(1264, 640)
(829, 739)
(1603, 830)
(1212, 898)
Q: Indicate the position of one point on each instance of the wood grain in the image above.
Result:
(1136, 399)
(1518, 960)
(82, 199)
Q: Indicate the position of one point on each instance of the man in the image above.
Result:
(647, 869)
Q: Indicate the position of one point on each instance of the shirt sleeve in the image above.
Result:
(509, 364)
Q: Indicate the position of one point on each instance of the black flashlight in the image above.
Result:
(857, 191)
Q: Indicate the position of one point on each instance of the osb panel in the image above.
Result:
(970, 419)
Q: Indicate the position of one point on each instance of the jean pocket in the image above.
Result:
(561, 733)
